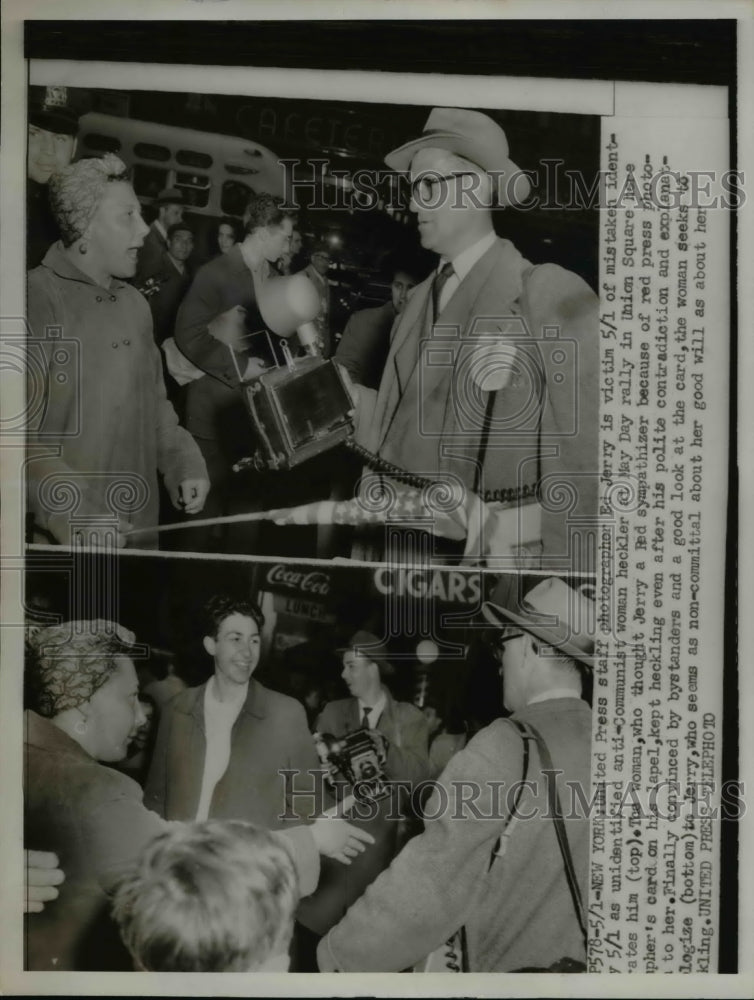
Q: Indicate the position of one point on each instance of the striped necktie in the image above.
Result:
(438, 284)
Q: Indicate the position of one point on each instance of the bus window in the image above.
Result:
(96, 143)
(149, 181)
(235, 168)
(235, 197)
(151, 151)
(195, 188)
(190, 158)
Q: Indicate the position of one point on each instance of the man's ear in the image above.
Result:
(531, 645)
(209, 644)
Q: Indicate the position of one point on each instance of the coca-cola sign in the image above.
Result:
(284, 576)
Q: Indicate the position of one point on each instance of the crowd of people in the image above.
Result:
(206, 862)
(503, 407)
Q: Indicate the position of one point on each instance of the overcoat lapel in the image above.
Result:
(492, 284)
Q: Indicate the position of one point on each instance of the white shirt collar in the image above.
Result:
(375, 711)
(554, 693)
(161, 229)
(464, 262)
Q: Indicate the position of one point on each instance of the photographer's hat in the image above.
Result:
(553, 612)
(475, 137)
(370, 646)
(50, 108)
(170, 196)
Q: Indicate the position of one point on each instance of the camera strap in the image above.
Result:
(529, 733)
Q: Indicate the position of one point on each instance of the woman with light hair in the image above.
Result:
(100, 424)
(84, 694)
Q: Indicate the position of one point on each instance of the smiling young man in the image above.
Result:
(221, 746)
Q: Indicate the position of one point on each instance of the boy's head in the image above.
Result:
(209, 897)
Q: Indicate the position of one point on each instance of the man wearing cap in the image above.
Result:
(474, 387)
(402, 730)
(152, 254)
(53, 125)
(518, 911)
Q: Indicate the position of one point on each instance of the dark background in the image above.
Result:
(685, 51)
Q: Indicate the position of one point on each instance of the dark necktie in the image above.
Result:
(438, 284)
(365, 717)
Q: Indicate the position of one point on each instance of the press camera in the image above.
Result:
(359, 757)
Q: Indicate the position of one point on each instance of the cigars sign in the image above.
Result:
(447, 586)
(397, 582)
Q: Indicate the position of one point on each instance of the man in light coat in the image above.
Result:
(491, 382)
(517, 910)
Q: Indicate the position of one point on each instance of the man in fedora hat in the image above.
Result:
(492, 375)
(402, 730)
(53, 124)
(169, 203)
(518, 911)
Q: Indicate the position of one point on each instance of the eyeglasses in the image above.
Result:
(422, 187)
(499, 640)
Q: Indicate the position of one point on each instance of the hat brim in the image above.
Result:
(497, 615)
(400, 159)
(58, 124)
(385, 665)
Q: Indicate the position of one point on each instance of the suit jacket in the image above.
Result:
(405, 728)
(537, 328)
(41, 228)
(517, 910)
(323, 319)
(215, 409)
(365, 343)
(165, 302)
(151, 255)
(270, 734)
